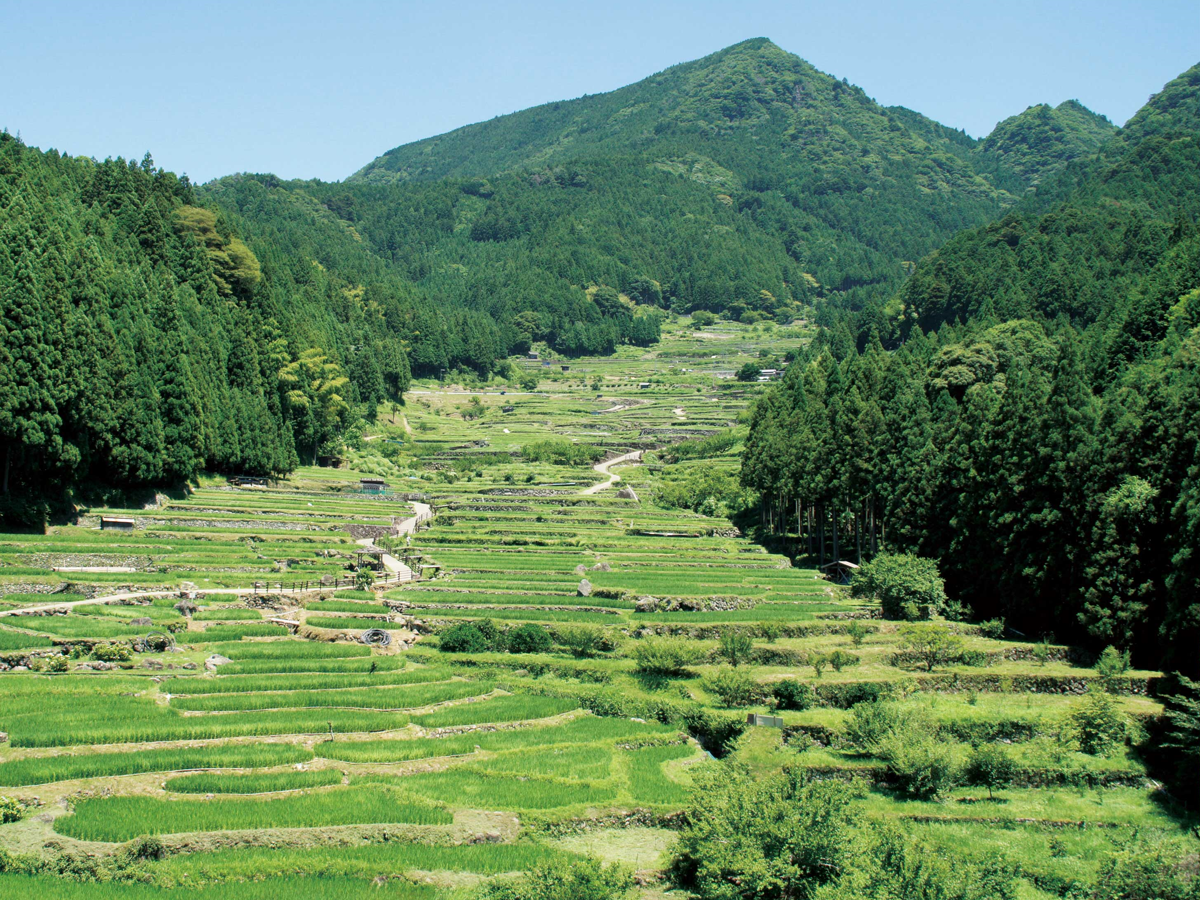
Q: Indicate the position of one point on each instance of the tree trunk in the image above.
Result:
(836, 557)
(808, 523)
(821, 526)
(874, 544)
(7, 466)
(858, 533)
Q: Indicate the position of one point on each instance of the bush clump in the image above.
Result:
(920, 765)
(873, 724)
(792, 694)
(991, 767)
(1097, 725)
(529, 638)
(906, 586)
(560, 879)
(1111, 665)
(10, 810)
(735, 687)
(583, 641)
(112, 653)
(666, 656)
(932, 644)
(463, 638)
(992, 628)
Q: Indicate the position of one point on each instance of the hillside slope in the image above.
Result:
(746, 182)
(142, 340)
(1039, 142)
(1036, 431)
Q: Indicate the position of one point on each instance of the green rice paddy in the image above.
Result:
(450, 767)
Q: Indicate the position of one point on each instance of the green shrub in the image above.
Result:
(57, 664)
(1096, 724)
(906, 586)
(562, 453)
(990, 766)
(564, 879)
(792, 694)
(818, 661)
(736, 647)
(992, 628)
(363, 578)
(1111, 665)
(734, 688)
(842, 660)
(495, 638)
(932, 644)
(529, 638)
(973, 658)
(665, 656)
(873, 725)
(919, 765)
(583, 640)
(463, 638)
(848, 695)
(774, 837)
(10, 810)
(146, 848)
(857, 631)
(112, 653)
(1143, 872)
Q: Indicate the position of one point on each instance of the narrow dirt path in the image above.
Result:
(423, 511)
(605, 468)
(123, 595)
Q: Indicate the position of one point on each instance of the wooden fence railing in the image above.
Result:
(300, 587)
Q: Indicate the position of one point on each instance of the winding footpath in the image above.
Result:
(605, 468)
(424, 512)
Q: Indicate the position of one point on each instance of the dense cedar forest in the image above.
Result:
(142, 340)
(1036, 431)
(1005, 378)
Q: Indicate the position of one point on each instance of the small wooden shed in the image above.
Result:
(117, 523)
(839, 572)
(373, 485)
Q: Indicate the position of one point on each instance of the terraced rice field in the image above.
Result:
(320, 764)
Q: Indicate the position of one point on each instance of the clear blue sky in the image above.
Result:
(307, 89)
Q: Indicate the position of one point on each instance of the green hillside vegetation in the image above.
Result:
(142, 340)
(154, 330)
(1039, 142)
(1036, 430)
(747, 183)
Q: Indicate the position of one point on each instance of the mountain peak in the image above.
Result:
(753, 85)
(1041, 140)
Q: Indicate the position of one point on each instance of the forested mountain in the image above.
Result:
(746, 182)
(1037, 430)
(1040, 141)
(141, 339)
